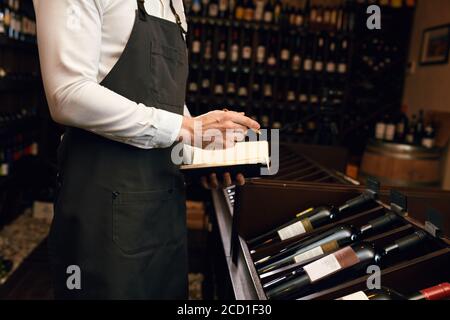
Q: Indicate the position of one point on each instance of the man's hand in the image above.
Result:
(212, 182)
(223, 128)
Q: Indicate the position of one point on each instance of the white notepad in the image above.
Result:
(252, 152)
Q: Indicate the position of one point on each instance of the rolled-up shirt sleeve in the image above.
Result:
(69, 39)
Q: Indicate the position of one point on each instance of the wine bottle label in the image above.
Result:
(291, 231)
(218, 89)
(272, 61)
(267, 90)
(331, 67)
(285, 54)
(223, 5)
(242, 91)
(318, 251)
(4, 169)
(196, 46)
(295, 229)
(234, 52)
(428, 143)
(380, 130)
(259, 10)
(390, 132)
(205, 83)
(360, 295)
(213, 10)
(247, 52)
(342, 68)
(308, 255)
(239, 13)
(331, 264)
(34, 149)
(308, 64)
(231, 88)
(290, 95)
(296, 61)
(400, 128)
(299, 20)
(193, 86)
(222, 55)
(410, 138)
(260, 54)
(268, 16)
(248, 14)
(318, 66)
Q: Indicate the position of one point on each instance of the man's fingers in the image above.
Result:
(227, 182)
(204, 182)
(240, 179)
(213, 182)
(243, 120)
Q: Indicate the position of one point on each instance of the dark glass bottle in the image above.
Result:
(310, 219)
(323, 243)
(350, 260)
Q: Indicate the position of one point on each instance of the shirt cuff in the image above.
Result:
(168, 128)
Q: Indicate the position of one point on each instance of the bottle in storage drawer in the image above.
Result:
(283, 197)
(310, 219)
(438, 292)
(325, 242)
(347, 264)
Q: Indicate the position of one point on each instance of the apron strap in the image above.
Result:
(177, 18)
(141, 8)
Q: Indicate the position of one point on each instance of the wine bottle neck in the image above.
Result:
(439, 292)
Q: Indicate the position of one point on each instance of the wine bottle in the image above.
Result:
(249, 10)
(223, 9)
(350, 260)
(196, 45)
(239, 10)
(402, 125)
(323, 243)
(268, 12)
(246, 54)
(439, 292)
(420, 126)
(310, 219)
(428, 140)
(285, 54)
(213, 9)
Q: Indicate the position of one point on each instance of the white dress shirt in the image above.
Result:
(79, 43)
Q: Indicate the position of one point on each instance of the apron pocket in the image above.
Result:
(167, 77)
(143, 220)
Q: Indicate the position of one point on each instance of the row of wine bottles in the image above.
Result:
(19, 136)
(438, 292)
(272, 50)
(312, 261)
(399, 128)
(16, 21)
(337, 16)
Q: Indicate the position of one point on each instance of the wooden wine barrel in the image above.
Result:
(402, 165)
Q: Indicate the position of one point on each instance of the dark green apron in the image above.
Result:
(120, 210)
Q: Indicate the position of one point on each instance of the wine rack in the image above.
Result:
(304, 77)
(427, 265)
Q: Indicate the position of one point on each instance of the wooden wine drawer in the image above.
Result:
(261, 205)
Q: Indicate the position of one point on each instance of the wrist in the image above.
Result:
(187, 130)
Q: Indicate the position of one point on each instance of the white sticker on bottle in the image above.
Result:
(342, 68)
(390, 132)
(196, 46)
(428, 143)
(260, 54)
(380, 130)
(285, 54)
(247, 52)
(360, 295)
(323, 267)
(291, 231)
(302, 257)
(308, 64)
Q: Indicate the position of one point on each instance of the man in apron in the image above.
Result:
(115, 74)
